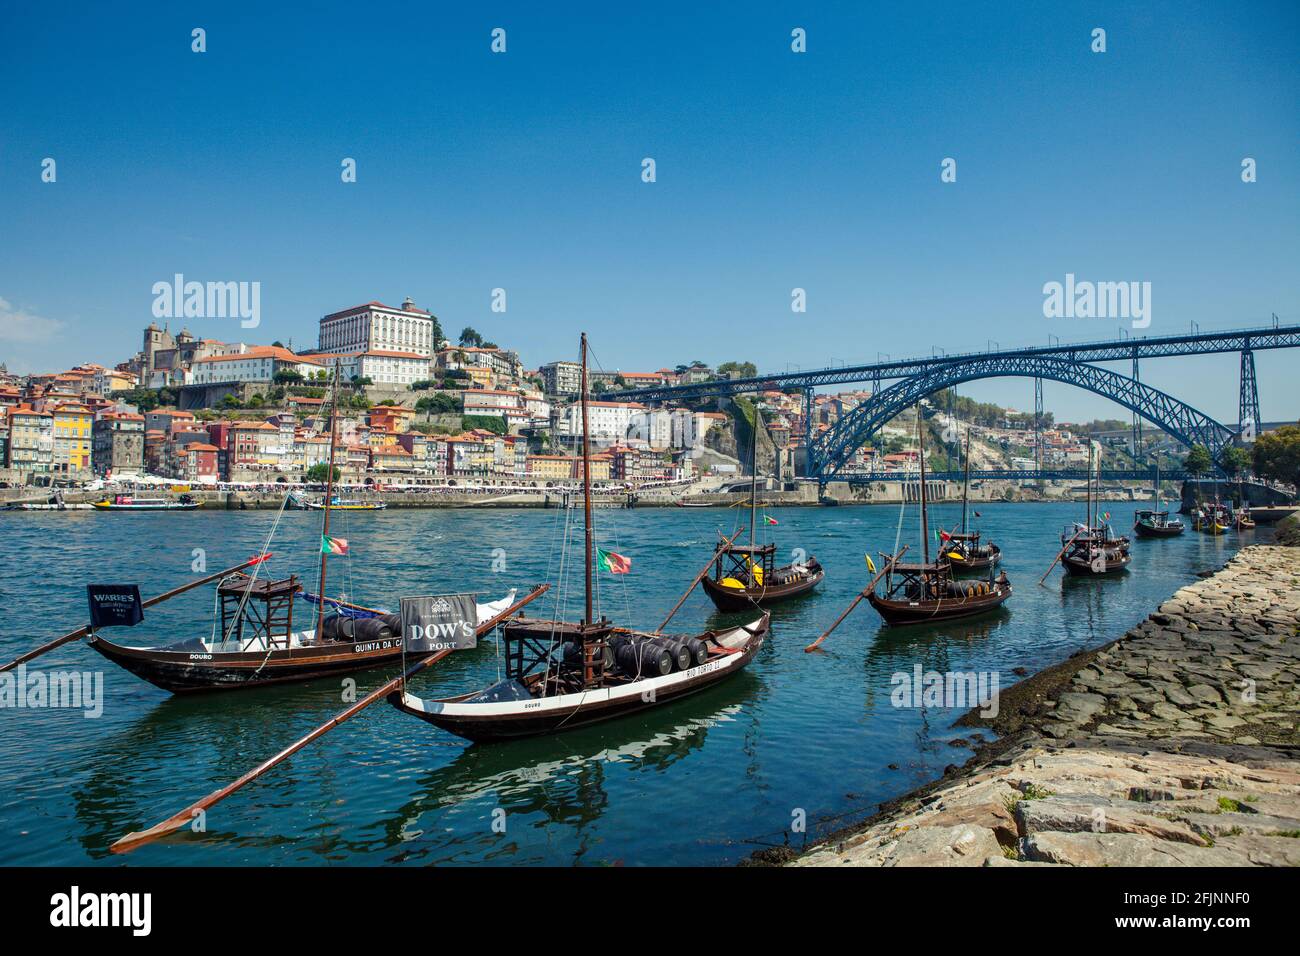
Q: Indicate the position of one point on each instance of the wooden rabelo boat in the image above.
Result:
(1154, 523)
(560, 675)
(962, 548)
(1093, 549)
(1241, 519)
(1213, 519)
(253, 640)
(745, 576)
(927, 592)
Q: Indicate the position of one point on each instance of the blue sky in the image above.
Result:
(775, 170)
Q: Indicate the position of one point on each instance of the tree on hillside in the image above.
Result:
(742, 369)
(1277, 455)
(1198, 460)
(470, 338)
(1237, 460)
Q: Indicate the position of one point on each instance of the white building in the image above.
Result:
(654, 426)
(383, 367)
(375, 327)
(689, 427)
(607, 421)
(257, 364)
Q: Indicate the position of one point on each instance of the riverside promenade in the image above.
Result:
(1175, 745)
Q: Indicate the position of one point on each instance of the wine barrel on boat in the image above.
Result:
(338, 627)
(573, 655)
(682, 659)
(636, 655)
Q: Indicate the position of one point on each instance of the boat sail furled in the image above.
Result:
(560, 675)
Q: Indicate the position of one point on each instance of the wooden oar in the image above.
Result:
(861, 595)
(180, 820)
(83, 631)
(1058, 557)
(698, 578)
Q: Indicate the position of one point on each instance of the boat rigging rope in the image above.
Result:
(257, 569)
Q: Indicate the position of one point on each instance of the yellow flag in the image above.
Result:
(870, 567)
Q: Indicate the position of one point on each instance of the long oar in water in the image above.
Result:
(856, 601)
(698, 578)
(84, 631)
(1058, 557)
(183, 819)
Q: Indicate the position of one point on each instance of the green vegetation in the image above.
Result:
(437, 404)
(1277, 454)
(1229, 805)
(491, 423)
(1237, 461)
(742, 369)
(1198, 460)
(147, 399)
(470, 338)
(321, 472)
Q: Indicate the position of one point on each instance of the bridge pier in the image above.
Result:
(1248, 420)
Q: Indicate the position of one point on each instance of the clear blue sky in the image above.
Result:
(775, 170)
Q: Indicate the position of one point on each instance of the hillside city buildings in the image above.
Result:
(416, 407)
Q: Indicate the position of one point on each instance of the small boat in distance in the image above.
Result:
(962, 548)
(346, 504)
(129, 503)
(926, 592)
(746, 576)
(1093, 548)
(1154, 523)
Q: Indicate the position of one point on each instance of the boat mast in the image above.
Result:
(753, 481)
(925, 528)
(586, 475)
(329, 493)
(965, 483)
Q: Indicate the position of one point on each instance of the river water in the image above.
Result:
(707, 780)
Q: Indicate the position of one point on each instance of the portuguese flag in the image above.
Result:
(330, 545)
(613, 562)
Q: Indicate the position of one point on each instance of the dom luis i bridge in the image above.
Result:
(900, 384)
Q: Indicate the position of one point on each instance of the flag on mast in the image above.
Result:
(330, 545)
(613, 562)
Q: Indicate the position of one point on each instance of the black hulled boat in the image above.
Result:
(560, 675)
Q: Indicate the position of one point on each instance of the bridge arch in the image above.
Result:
(829, 452)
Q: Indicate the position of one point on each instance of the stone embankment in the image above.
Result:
(1176, 745)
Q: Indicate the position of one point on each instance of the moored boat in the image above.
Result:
(559, 675)
(1156, 524)
(746, 576)
(346, 504)
(130, 503)
(962, 548)
(924, 592)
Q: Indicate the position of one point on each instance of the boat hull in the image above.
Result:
(733, 599)
(978, 564)
(531, 718)
(1081, 567)
(1149, 531)
(900, 613)
(197, 671)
